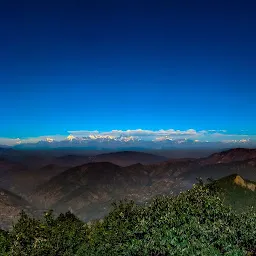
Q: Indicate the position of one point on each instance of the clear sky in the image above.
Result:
(104, 65)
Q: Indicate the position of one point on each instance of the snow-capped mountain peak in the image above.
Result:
(50, 140)
(71, 137)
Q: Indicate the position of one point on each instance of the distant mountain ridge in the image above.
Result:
(125, 158)
(125, 142)
(238, 160)
(122, 158)
(235, 154)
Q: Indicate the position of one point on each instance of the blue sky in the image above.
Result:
(108, 65)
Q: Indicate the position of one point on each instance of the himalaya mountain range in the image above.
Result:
(130, 142)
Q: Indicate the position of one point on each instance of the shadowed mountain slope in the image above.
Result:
(95, 185)
(10, 207)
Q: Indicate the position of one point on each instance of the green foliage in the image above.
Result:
(195, 222)
(5, 242)
(51, 236)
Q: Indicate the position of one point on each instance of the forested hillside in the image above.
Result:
(195, 222)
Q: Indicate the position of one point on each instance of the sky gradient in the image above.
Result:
(120, 65)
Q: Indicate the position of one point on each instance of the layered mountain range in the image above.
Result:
(87, 185)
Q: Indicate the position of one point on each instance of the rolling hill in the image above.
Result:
(237, 192)
(95, 185)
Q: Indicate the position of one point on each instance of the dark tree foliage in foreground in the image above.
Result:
(195, 222)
